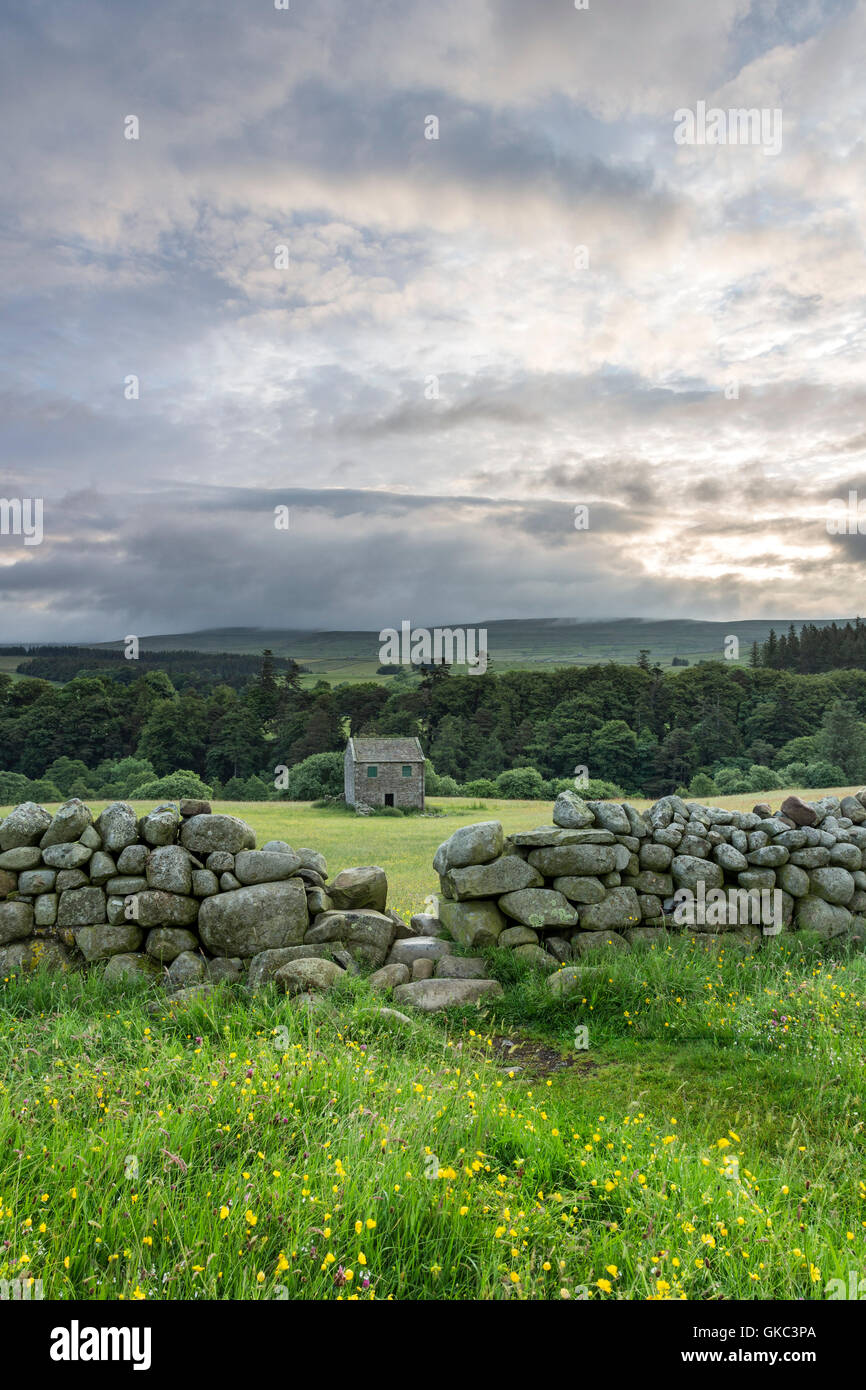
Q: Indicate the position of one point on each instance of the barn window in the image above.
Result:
(406, 770)
(372, 770)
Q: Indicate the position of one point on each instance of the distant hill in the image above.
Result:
(513, 643)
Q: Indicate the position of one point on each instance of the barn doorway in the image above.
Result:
(389, 798)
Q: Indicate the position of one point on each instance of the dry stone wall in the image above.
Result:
(609, 875)
(183, 897)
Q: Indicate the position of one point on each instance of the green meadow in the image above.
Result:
(689, 1124)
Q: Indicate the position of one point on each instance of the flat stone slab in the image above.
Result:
(430, 996)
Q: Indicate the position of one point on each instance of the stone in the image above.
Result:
(548, 836)
(318, 901)
(422, 968)
(37, 881)
(846, 856)
(115, 910)
(431, 996)
(535, 956)
(250, 920)
(156, 908)
(227, 968)
(620, 908)
(538, 908)
(160, 826)
(813, 857)
(568, 981)
(762, 809)
(165, 944)
(425, 924)
(461, 968)
(566, 860)
(204, 883)
(228, 883)
(610, 817)
(656, 885)
(132, 860)
(100, 942)
(825, 919)
(188, 968)
(101, 868)
(503, 875)
(67, 824)
(587, 942)
(474, 844)
(797, 811)
(190, 806)
(366, 934)
(579, 889)
(298, 975)
(558, 947)
(220, 862)
(570, 812)
(473, 924)
(24, 957)
(264, 866)
(364, 887)
(310, 858)
(168, 868)
(652, 936)
(118, 827)
(518, 936)
(191, 994)
(20, 859)
(656, 857)
(769, 857)
(81, 907)
(67, 855)
(852, 807)
(206, 833)
(264, 966)
(45, 909)
(8, 882)
(130, 965)
(418, 947)
(16, 921)
(688, 871)
(389, 976)
(730, 858)
(24, 826)
(125, 884)
(638, 826)
(833, 885)
(793, 880)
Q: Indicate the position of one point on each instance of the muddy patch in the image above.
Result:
(525, 1056)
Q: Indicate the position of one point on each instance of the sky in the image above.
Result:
(384, 290)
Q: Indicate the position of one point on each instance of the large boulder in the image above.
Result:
(472, 923)
(538, 907)
(36, 953)
(156, 908)
(204, 834)
(265, 866)
(503, 875)
(25, 825)
(825, 919)
(118, 828)
(250, 920)
(430, 996)
(688, 870)
(363, 887)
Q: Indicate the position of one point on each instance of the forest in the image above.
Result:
(713, 727)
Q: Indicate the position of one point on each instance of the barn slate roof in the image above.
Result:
(386, 750)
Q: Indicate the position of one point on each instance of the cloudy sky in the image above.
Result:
(552, 304)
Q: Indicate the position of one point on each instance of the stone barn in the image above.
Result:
(384, 772)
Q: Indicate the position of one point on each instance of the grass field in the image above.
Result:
(706, 1143)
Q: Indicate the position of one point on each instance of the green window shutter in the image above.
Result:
(372, 770)
(407, 771)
